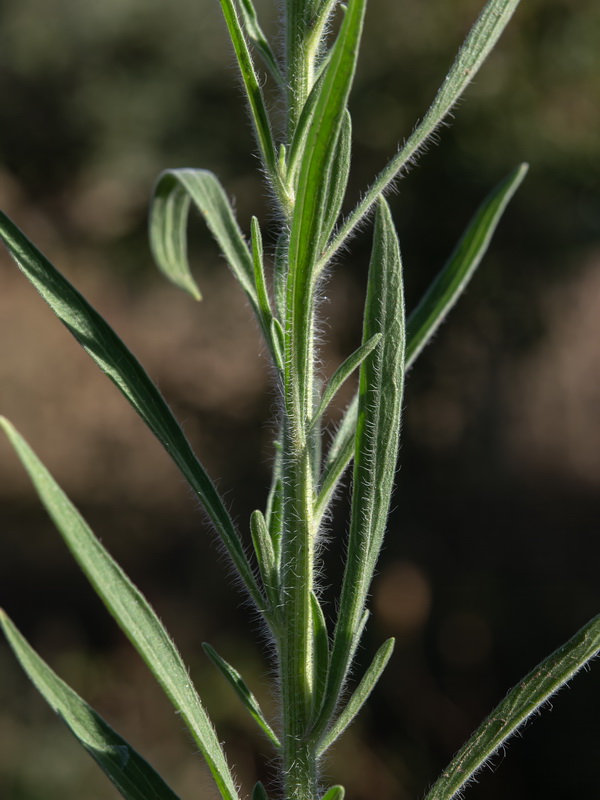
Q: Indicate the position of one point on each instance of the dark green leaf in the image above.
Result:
(238, 684)
(451, 282)
(121, 366)
(130, 773)
(130, 609)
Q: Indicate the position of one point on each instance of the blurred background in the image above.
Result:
(491, 559)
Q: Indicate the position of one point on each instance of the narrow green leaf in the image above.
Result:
(125, 371)
(478, 44)
(134, 778)
(335, 793)
(174, 192)
(460, 267)
(254, 93)
(256, 35)
(343, 372)
(238, 684)
(320, 653)
(265, 555)
(310, 204)
(519, 704)
(359, 696)
(130, 609)
(259, 792)
(381, 384)
(263, 304)
(260, 283)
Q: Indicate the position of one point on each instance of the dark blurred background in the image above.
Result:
(492, 556)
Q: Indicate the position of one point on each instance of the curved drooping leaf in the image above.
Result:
(130, 609)
(131, 774)
(121, 366)
(175, 190)
(516, 708)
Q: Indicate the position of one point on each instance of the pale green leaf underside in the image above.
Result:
(175, 190)
(130, 609)
(121, 366)
(520, 703)
(130, 773)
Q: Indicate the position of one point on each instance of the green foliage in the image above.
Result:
(306, 166)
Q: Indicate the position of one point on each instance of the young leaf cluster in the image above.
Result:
(306, 163)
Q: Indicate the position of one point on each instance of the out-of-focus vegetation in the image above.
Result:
(501, 427)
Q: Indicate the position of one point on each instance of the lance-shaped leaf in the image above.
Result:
(480, 41)
(445, 290)
(519, 704)
(130, 609)
(381, 384)
(359, 696)
(312, 197)
(120, 365)
(238, 684)
(429, 314)
(174, 192)
(130, 773)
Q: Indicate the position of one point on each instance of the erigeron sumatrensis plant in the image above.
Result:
(306, 166)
